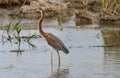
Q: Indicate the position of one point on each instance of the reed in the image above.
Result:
(111, 6)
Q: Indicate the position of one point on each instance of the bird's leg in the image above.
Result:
(51, 58)
(58, 59)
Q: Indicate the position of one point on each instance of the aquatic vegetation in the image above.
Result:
(18, 37)
(98, 35)
(12, 33)
(6, 36)
(29, 42)
(18, 30)
(30, 37)
(9, 67)
(60, 19)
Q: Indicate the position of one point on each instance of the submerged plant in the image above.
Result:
(98, 35)
(60, 19)
(13, 33)
(10, 67)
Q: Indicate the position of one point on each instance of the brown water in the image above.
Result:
(94, 53)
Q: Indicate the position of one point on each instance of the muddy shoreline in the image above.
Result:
(86, 12)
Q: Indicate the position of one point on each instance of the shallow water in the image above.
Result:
(94, 53)
(85, 60)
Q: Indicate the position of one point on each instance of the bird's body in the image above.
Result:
(52, 40)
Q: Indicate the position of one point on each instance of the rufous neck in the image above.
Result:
(40, 22)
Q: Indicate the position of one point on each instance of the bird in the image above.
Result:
(51, 39)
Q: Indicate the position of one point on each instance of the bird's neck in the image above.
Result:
(40, 22)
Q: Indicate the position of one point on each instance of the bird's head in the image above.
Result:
(39, 9)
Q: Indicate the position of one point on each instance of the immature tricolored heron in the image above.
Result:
(52, 40)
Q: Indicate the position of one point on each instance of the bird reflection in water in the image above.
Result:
(60, 73)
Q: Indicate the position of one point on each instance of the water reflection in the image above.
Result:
(83, 62)
(112, 62)
(111, 37)
(18, 50)
(61, 73)
(111, 55)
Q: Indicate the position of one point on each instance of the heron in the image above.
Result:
(51, 39)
